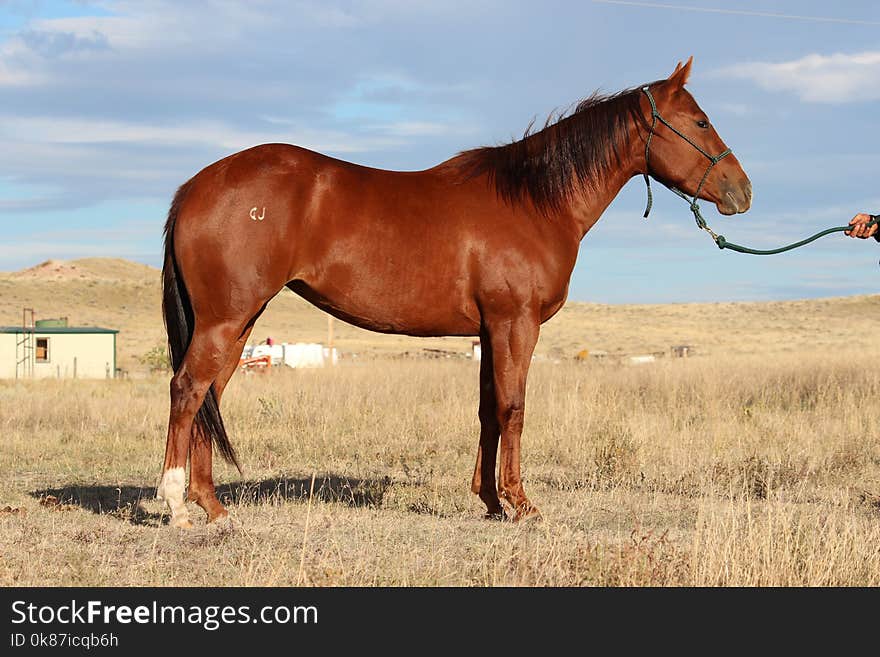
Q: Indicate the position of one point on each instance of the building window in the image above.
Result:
(42, 350)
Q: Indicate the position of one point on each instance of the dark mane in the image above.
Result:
(575, 149)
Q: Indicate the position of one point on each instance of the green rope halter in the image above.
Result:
(719, 240)
(713, 160)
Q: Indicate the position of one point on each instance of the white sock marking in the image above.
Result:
(171, 490)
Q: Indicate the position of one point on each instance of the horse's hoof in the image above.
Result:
(181, 523)
(494, 515)
(220, 519)
(522, 512)
(528, 515)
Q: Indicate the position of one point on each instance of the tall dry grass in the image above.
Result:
(737, 471)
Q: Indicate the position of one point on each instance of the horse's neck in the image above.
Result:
(588, 205)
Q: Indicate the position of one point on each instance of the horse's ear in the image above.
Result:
(681, 74)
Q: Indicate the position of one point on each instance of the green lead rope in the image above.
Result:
(722, 242)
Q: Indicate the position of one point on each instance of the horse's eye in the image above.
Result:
(702, 124)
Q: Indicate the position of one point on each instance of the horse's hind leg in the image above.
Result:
(201, 479)
(205, 358)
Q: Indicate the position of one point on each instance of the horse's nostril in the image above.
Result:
(740, 199)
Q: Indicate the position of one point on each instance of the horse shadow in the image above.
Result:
(124, 502)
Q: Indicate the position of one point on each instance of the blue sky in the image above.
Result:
(106, 107)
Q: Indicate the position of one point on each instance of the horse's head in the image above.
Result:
(686, 152)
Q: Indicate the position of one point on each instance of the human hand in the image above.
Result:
(859, 228)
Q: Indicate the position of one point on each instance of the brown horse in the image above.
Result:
(481, 245)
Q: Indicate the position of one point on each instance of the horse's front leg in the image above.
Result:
(483, 483)
(513, 342)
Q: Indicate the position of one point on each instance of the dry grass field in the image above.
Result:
(755, 463)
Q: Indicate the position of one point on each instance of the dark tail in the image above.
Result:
(178, 314)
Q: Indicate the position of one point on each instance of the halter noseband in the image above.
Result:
(713, 160)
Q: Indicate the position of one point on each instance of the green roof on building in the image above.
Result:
(51, 330)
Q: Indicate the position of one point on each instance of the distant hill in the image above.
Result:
(103, 269)
(117, 293)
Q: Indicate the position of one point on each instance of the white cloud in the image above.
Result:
(11, 77)
(816, 78)
(95, 107)
(218, 134)
(78, 158)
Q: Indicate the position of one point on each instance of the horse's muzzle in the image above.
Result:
(736, 198)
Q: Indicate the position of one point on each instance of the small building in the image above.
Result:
(49, 349)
